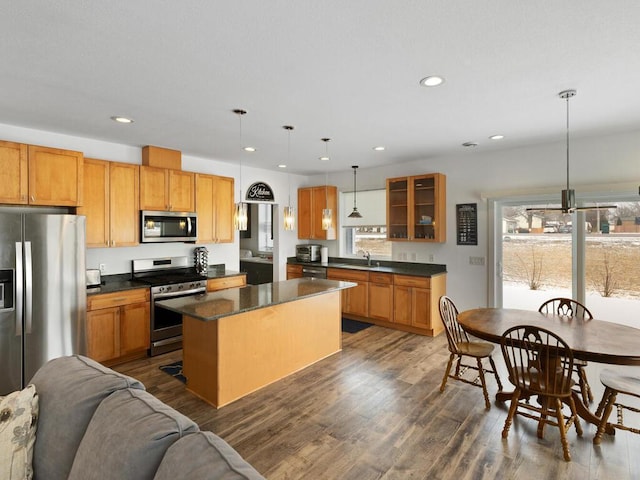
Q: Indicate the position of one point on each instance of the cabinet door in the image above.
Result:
(14, 180)
(304, 213)
(397, 209)
(358, 300)
(402, 308)
(181, 191)
(55, 177)
(124, 211)
(421, 308)
(96, 202)
(215, 284)
(134, 328)
(205, 208)
(103, 334)
(381, 301)
(154, 188)
(223, 201)
(294, 271)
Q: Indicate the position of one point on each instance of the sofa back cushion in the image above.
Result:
(204, 456)
(69, 390)
(127, 437)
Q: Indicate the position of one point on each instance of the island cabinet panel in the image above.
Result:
(355, 300)
(294, 271)
(14, 173)
(55, 177)
(214, 206)
(111, 203)
(381, 296)
(232, 356)
(118, 326)
(214, 284)
(165, 189)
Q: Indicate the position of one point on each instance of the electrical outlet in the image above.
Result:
(476, 261)
(413, 256)
(103, 268)
(431, 258)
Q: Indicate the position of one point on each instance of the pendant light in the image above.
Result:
(568, 195)
(327, 216)
(355, 213)
(240, 217)
(289, 212)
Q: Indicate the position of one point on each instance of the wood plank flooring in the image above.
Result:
(374, 411)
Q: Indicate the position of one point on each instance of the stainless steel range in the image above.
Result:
(169, 277)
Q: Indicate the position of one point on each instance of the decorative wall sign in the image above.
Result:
(467, 223)
(260, 192)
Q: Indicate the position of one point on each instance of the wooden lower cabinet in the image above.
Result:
(355, 300)
(381, 296)
(214, 284)
(294, 271)
(118, 326)
(415, 301)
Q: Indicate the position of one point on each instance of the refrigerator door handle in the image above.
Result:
(28, 285)
(19, 289)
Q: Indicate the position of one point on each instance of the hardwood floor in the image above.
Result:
(374, 411)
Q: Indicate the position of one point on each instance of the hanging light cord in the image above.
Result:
(567, 98)
(354, 186)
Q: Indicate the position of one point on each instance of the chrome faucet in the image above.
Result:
(367, 255)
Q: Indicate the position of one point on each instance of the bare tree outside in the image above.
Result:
(532, 269)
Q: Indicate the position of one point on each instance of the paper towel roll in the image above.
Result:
(324, 254)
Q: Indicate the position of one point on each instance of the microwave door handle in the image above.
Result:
(19, 289)
(189, 225)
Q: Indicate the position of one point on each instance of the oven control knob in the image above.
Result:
(161, 289)
(180, 287)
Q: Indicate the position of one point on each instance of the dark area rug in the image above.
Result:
(175, 370)
(353, 326)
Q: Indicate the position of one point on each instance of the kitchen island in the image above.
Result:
(239, 340)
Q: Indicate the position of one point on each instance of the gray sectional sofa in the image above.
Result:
(95, 423)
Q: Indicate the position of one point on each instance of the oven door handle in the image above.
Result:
(181, 293)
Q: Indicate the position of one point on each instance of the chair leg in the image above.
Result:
(512, 411)
(495, 373)
(576, 418)
(585, 388)
(446, 372)
(542, 421)
(487, 403)
(563, 432)
(603, 402)
(610, 396)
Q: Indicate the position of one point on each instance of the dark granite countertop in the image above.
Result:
(122, 281)
(384, 266)
(232, 301)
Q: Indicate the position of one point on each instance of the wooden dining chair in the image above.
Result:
(461, 346)
(540, 363)
(566, 307)
(616, 382)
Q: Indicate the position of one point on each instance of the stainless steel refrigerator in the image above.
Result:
(43, 299)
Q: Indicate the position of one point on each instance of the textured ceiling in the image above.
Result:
(348, 70)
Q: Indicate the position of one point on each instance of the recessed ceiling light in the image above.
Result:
(249, 149)
(282, 165)
(469, 144)
(496, 137)
(324, 159)
(378, 149)
(119, 119)
(431, 81)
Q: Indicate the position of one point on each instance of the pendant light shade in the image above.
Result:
(355, 213)
(327, 214)
(289, 214)
(240, 217)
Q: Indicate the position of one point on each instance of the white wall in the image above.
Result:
(118, 260)
(474, 175)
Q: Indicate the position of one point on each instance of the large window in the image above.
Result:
(369, 233)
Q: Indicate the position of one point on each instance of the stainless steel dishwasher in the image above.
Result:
(314, 272)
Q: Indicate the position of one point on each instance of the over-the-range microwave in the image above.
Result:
(168, 226)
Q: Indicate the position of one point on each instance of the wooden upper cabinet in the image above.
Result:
(214, 206)
(55, 177)
(416, 208)
(14, 179)
(311, 202)
(111, 203)
(164, 189)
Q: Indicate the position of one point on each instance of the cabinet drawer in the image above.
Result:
(116, 299)
(346, 274)
(381, 278)
(214, 284)
(410, 281)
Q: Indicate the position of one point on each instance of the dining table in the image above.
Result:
(593, 340)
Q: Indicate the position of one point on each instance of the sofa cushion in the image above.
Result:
(204, 456)
(70, 389)
(18, 423)
(127, 437)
